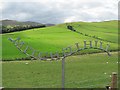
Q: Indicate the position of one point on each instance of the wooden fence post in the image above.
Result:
(114, 81)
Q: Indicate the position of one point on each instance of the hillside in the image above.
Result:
(20, 23)
(103, 30)
(54, 38)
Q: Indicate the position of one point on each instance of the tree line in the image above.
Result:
(8, 29)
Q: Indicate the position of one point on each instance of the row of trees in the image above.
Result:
(8, 29)
(70, 27)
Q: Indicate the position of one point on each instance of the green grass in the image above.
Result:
(82, 71)
(105, 30)
(52, 39)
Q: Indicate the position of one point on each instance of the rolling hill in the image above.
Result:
(81, 71)
(14, 22)
(54, 38)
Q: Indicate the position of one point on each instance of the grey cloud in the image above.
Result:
(57, 12)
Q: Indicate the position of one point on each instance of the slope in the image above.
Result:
(52, 39)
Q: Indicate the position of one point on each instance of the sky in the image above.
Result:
(59, 11)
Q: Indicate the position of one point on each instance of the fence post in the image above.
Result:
(63, 73)
(114, 81)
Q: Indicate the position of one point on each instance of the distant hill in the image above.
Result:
(7, 26)
(14, 23)
(50, 24)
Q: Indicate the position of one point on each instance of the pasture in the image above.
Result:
(81, 71)
(52, 39)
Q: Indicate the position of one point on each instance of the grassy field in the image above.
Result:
(52, 39)
(103, 30)
(85, 71)
(81, 71)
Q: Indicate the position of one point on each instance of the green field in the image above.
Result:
(52, 39)
(103, 30)
(85, 71)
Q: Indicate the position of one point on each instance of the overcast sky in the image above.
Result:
(59, 11)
